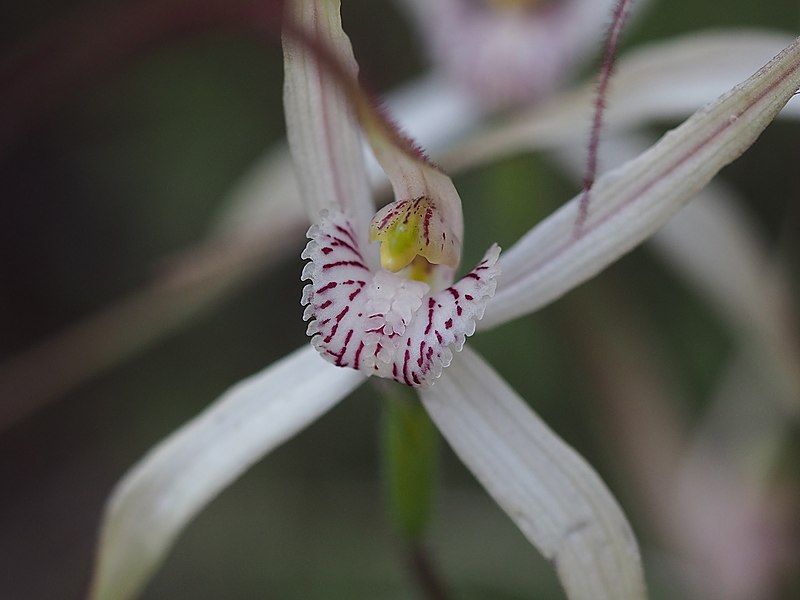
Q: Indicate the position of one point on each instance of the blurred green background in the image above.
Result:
(133, 167)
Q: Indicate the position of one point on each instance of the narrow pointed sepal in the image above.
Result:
(321, 123)
(158, 497)
(632, 202)
(550, 492)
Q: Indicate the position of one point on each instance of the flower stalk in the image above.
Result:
(410, 447)
(618, 20)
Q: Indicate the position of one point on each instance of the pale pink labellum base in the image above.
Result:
(381, 323)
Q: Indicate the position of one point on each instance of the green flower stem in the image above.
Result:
(410, 449)
(410, 446)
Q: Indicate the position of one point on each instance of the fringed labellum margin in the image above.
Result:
(382, 323)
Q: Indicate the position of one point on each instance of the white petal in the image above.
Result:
(323, 132)
(556, 499)
(664, 80)
(163, 492)
(630, 203)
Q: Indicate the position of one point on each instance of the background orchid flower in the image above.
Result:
(509, 52)
(557, 501)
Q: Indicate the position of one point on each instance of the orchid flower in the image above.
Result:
(262, 214)
(396, 313)
(508, 52)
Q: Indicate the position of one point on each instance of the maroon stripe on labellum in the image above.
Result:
(325, 304)
(347, 232)
(345, 263)
(340, 242)
(406, 358)
(431, 303)
(357, 358)
(332, 333)
(325, 288)
(342, 352)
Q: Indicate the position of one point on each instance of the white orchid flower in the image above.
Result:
(552, 494)
(663, 80)
(507, 52)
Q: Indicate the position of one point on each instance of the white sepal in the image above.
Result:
(556, 499)
(177, 478)
(324, 136)
(662, 80)
(632, 202)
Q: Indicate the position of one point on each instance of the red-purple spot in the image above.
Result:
(448, 324)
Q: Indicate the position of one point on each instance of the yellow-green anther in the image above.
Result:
(399, 244)
(411, 228)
